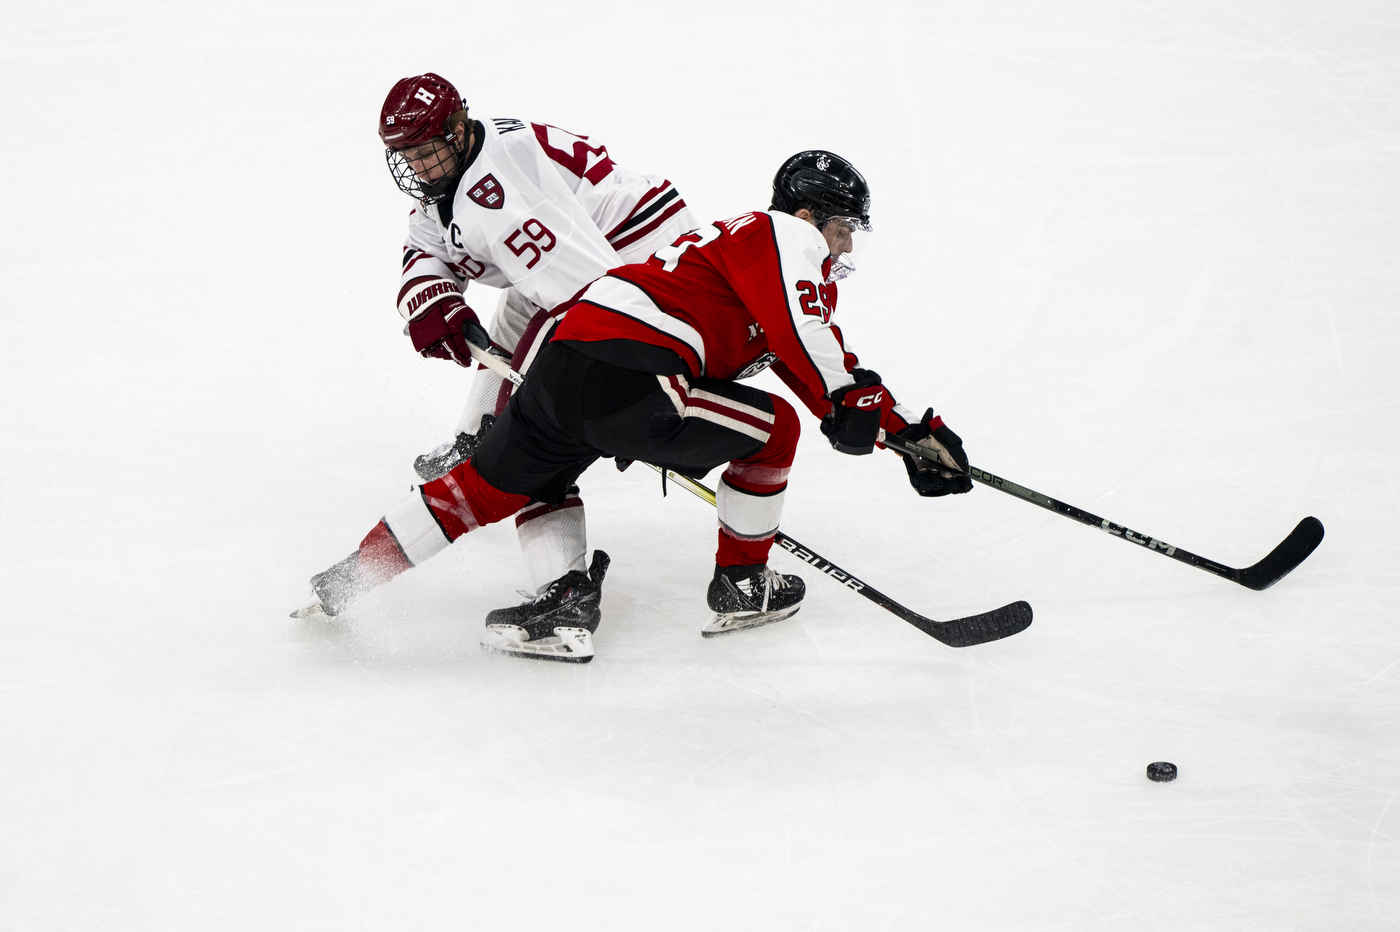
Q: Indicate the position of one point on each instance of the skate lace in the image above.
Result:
(533, 599)
(554, 590)
(769, 580)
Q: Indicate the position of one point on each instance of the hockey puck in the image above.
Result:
(1159, 771)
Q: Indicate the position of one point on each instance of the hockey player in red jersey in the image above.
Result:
(646, 366)
(529, 208)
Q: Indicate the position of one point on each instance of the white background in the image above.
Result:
(1143, 257)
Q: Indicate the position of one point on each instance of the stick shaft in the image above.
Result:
(963, 632)
(1102, 524)
(1281, 561)
(496, 364)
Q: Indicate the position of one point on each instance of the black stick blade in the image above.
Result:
(1284, 558)
(978, 629)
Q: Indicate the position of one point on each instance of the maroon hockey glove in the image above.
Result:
(854, 422)
(924, 474)
(444, 329)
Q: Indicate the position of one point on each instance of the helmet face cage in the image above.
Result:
(847, 238)
(437, 159)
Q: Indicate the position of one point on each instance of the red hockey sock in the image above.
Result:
(734, 551)
(381, 557)
(462, 501)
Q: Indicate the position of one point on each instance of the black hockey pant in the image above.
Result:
(574, 409)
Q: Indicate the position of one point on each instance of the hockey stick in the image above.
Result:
(1280, 561)
(961, 632)
(496, 364)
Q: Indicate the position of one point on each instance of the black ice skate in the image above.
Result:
(749, 596)
(558, 624)
(442, 460)
(334, 589)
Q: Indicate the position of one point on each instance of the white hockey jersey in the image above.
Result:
(538, 209)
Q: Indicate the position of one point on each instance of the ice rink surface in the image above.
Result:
(1143, 257)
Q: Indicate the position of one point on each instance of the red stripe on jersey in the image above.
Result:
(560, 309)
(848, 357)
(414, 283)
(676, 207)
(645, 199)
(416, 259)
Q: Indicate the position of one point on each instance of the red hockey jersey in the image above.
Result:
(727, 300)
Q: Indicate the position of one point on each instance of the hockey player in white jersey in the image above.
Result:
(540, 212)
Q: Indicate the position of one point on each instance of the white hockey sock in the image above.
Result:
(553, 540)
(747, 516)
(415, 528)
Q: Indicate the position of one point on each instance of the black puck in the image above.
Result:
(1160, 771)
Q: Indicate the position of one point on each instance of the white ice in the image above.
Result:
(1144, 257)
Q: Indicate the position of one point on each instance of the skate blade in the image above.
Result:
(312, 610)
(569, 645)
(741, 621)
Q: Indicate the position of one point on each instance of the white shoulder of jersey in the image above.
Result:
(800, 241)
(424, 232)
(512, 211)
(636, 213)
(802, 251)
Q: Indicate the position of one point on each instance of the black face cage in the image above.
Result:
(407, 179)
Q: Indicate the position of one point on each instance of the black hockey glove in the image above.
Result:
(925, 475)
(854, 422)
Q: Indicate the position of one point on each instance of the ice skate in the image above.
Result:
(334, 589)
(750, 596)
(443, 459)
(557, 624)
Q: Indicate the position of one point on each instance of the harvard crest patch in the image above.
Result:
(488, 193)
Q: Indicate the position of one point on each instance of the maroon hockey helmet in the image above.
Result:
(417, 109)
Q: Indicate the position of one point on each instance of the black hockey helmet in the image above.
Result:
(827, 182)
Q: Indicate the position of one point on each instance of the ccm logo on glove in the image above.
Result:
(854, 421)
(870, 398)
